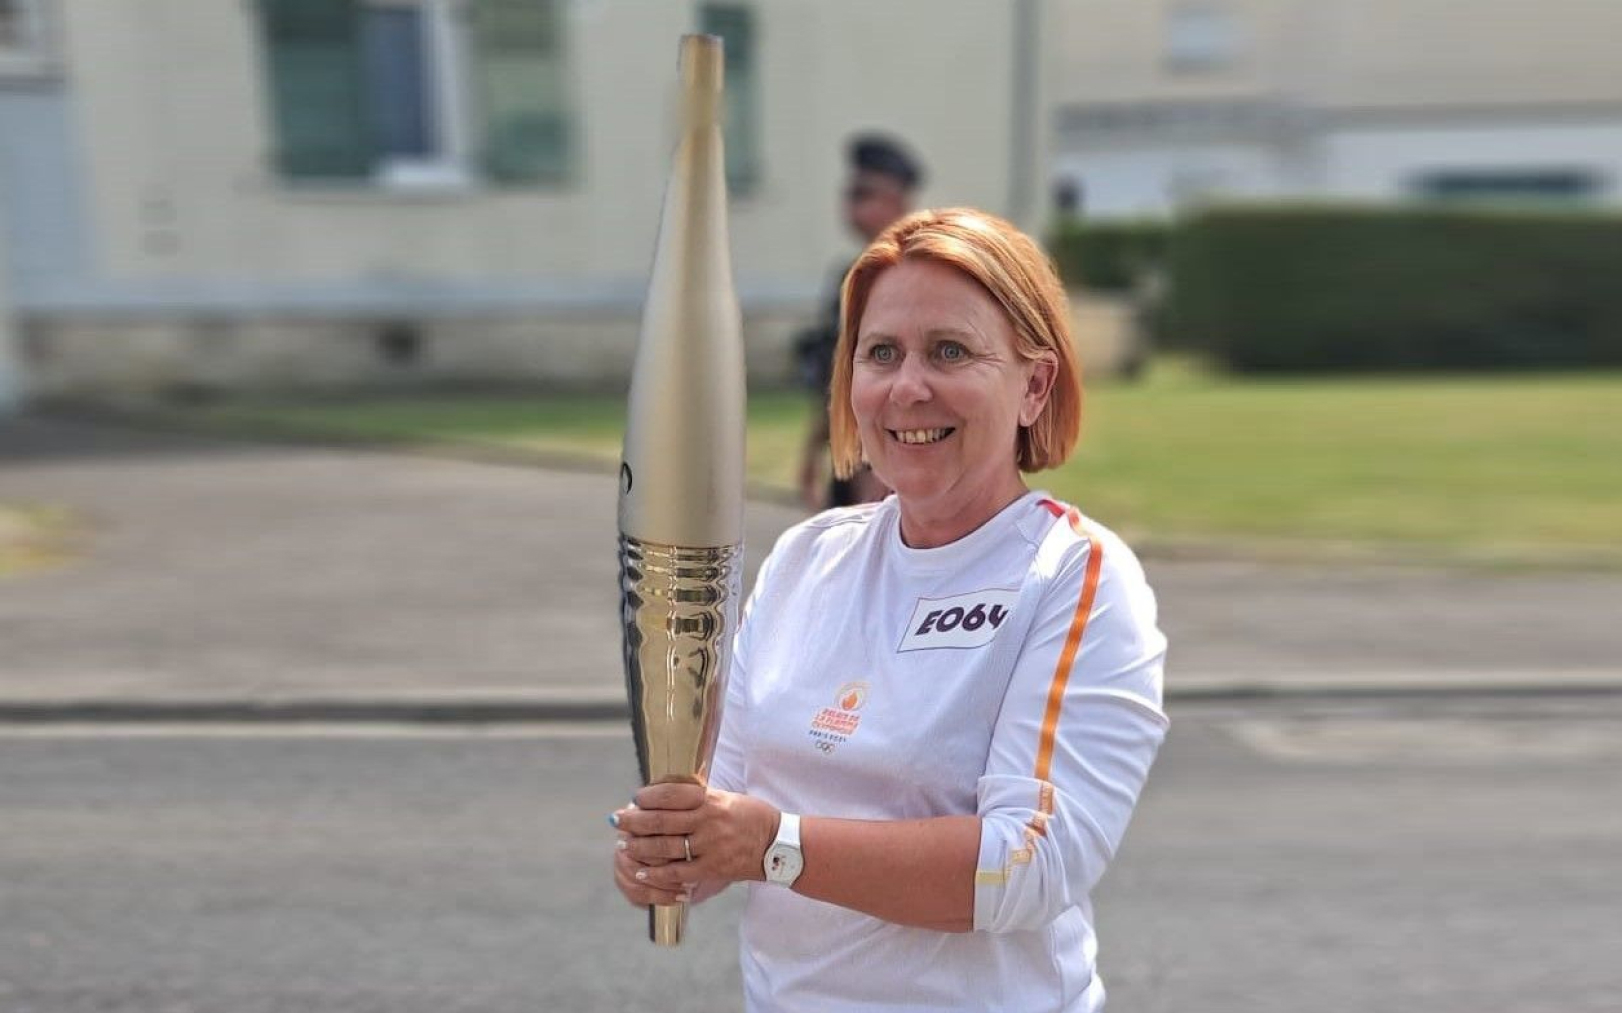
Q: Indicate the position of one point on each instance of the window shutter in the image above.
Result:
(523, 86)
(316, 88)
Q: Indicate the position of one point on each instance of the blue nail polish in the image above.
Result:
(614, 820)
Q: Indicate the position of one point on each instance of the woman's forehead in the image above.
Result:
(922, 296)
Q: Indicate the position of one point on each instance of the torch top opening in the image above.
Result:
(703, 74)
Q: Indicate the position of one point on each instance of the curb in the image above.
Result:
(607, 707)
(222, 711)
(1263, 692)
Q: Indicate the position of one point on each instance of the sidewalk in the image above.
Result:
(234, 580)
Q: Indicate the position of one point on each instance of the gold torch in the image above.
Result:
(681, 479)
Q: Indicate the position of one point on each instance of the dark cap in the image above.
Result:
(887, 157)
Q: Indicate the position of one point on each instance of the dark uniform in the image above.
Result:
(882, 168)
(814, 350)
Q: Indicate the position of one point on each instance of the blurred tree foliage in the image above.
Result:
(1304, 288)
(1110, 256)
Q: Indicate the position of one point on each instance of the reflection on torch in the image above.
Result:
(681, 479)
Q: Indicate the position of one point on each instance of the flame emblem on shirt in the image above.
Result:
(833, 726)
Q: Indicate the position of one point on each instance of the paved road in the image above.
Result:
(1443, 856)
(217, 569)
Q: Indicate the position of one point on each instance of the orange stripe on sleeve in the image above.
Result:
(1067, 659)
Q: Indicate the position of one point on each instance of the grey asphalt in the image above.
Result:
(1447, 855)
(221, 577)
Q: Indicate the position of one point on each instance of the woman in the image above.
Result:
(942, 707)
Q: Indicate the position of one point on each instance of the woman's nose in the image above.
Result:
(911, 383)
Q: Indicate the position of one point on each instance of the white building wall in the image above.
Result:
(1155, 179)
(178, 133)
(205, 269)
(1380, 164)
(1374, 163)
(1333, 98)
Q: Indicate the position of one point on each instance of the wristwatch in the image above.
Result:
(783, 860)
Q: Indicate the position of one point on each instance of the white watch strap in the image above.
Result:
(788, 830)
(783, 862)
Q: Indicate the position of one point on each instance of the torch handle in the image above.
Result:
(666, 922)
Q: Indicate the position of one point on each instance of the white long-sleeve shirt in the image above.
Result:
(1014, 674)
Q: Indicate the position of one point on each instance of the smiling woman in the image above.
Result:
(939, 396)
(941, 707)
(954, 371)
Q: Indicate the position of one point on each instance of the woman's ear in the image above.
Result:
(1038, 385)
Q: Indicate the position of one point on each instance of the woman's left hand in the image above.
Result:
(726, 833)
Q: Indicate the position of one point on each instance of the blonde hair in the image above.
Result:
(1017, 274)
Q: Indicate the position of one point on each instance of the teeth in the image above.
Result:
(920, 435)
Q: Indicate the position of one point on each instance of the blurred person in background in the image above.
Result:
(942, 707)
(883, 178)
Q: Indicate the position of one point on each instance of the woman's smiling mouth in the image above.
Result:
(917, 436)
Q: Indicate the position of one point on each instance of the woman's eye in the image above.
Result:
(953, 352)
(882, 353)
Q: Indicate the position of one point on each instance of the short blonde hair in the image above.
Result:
(1017, 274)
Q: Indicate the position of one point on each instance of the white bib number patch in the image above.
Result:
(961, 621)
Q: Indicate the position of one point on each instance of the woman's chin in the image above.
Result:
(915, 486)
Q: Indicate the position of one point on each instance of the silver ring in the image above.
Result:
(687, 847)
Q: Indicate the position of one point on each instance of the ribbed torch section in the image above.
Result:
(681, 478)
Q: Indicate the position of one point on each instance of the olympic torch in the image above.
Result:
(681, 478)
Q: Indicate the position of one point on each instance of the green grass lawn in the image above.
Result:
(1521, 469)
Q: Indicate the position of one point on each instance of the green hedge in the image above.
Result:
(1109, 256)
(1350, 289)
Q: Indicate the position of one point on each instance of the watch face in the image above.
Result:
(783, 864)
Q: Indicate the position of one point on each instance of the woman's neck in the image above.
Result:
(945, 520)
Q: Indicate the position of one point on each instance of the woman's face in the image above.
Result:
(938, 391)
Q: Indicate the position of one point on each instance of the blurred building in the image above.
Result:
(210, 195)
(1165, 102)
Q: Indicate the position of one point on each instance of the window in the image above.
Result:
(522, 86)
(22, 28)
(418, 92)
(735, 24)
(1534, 185)
(395, 83)
(1201, 37)
(16, 30)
